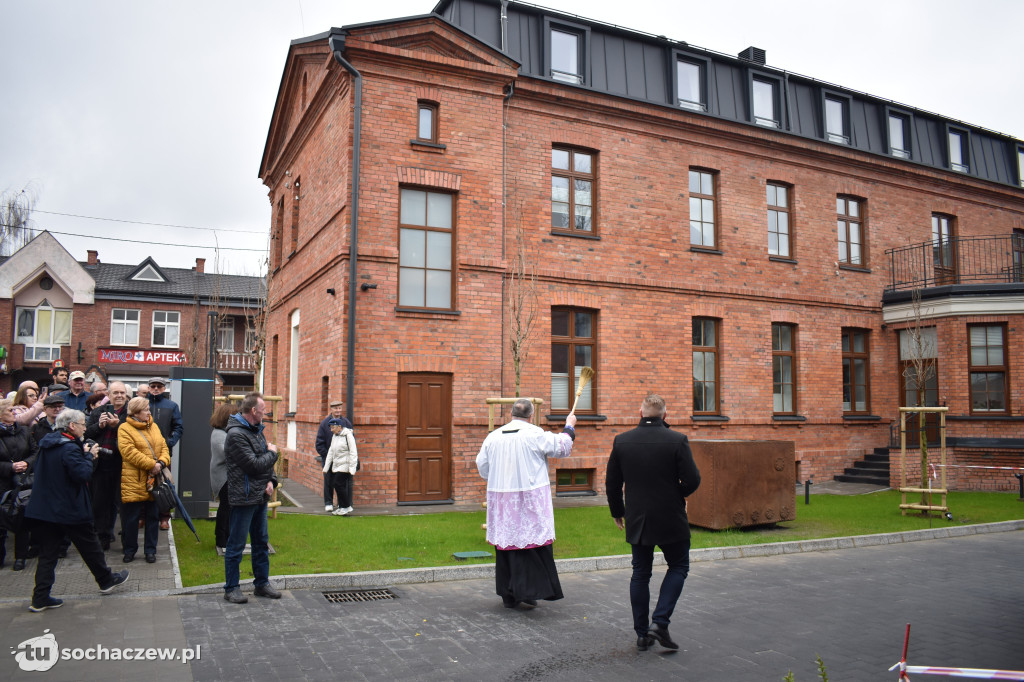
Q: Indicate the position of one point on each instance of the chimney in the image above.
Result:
(754, 54)
(200, 265)
(93, 257)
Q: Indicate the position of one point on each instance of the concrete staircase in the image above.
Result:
(874, 469)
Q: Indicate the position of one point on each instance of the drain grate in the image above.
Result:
(351, 596)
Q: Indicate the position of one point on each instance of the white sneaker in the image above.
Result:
(348, 510)
(339, 512)
(328, 507)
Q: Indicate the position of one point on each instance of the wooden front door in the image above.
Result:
(424, 437)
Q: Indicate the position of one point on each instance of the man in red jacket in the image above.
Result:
(657, 469)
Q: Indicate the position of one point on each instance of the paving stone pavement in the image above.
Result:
(753, 618)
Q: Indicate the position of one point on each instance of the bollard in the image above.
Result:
(807, 490)
(1020, 482)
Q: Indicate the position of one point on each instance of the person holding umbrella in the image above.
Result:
(144, 454)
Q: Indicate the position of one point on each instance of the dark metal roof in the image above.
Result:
(115, 280)
(639, 66)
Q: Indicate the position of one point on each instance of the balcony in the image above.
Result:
(235, 363)
(995, 259)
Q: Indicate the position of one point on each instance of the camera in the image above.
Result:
(103, 451)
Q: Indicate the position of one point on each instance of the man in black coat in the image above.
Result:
(104, 422)
(656, 467)
(251, 481)
(323, 444)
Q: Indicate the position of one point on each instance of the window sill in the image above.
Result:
(861, 418)
(780, 259)
(289, 415)
(704, 249)
(788, 418)
(708, 418)
(580, 417)
(854, 268)
(421, 312)
(428, 146)
(575, 493)
(578, 235)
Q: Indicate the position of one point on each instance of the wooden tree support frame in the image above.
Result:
(941, 490)
(491, 402)
(273, 400)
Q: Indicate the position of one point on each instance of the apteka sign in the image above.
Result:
(121, 356)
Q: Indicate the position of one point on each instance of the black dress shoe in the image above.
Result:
(643, 643)
(19, 565)
(528, 603)
(128, 558)
(661, 635)
(151, 558)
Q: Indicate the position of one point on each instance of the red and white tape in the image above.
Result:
(973, 673)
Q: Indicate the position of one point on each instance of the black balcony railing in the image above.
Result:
(959, 260)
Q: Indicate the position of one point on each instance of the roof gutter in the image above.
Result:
(337, 45)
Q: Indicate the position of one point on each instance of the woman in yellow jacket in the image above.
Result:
(144, 454)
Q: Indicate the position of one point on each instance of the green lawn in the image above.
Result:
(331, 544)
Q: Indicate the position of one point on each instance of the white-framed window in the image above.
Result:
(166, 328)
(43, 330)
(226, 334)
(837, 126)
(690, 87)
(899, 136)
(124, 327)
(765, 97)
(958, 151)
(566, 64)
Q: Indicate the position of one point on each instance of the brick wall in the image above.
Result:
(639, 275)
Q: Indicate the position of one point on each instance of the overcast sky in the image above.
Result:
(157, 112)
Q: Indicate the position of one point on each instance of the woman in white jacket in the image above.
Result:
(341, 462)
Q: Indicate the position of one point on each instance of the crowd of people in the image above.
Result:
(94, 455)
(90, 456)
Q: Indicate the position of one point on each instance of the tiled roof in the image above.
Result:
(112, 278)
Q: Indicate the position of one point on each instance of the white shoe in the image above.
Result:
(328, 507)
(348, 510)
(339, 512)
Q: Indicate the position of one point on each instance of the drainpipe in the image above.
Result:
(337, 44)
(504, 26)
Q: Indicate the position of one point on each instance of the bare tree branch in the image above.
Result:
(16, 219)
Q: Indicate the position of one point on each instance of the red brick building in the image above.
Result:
(121, 322)
(740, 239)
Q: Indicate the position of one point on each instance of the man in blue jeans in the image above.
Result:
(657, 469)
(251, 482)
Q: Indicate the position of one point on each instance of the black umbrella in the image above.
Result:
(181, 507)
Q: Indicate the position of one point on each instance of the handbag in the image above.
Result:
(12, 508)
(158, 487)
(162, 494)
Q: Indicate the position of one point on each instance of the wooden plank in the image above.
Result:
(935, 491)
(924, 507)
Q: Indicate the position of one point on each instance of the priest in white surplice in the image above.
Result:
(520, 520)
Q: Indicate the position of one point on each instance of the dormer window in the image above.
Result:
(690, 85)
(899, 136)
(765, 97)
(837, 120)
(958, 154)
(148, 274)
(565, 57)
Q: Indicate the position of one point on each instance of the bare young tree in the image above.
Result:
(15, 219)
(522, 299)
(919, 373)
(258, 322)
